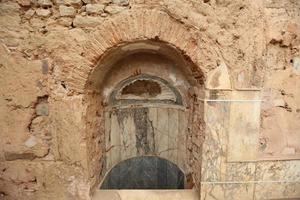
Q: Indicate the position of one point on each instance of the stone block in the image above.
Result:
(75, 3)
(44, 3)
(121, 2)
(29, 13)
(212, 191)
(281, 190)
(240, 172)
(43, 12)
(65, 21)
(232, 191)
(288, 171)
(94, 8)
(114, 9)
(87, 21)
(66, 11)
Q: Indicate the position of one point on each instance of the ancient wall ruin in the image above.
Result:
(240, 61)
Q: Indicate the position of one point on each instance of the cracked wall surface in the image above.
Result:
(50, 123)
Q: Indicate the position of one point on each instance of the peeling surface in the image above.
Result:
(49, 68)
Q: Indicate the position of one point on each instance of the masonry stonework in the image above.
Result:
(236, 65)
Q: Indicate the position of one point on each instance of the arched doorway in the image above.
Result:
(144, 172)
(143, 101)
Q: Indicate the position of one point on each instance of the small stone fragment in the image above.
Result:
(59, 2)
(43, 12)
(65, 21)
(24, 3)
(66, 11)
(87, 21)
(94, 8)
(29, 13)
(104, 15)
(296, 65)
(121, 2)
(113, 9)
(31, 141)
(82, 9)
(106, 2)
(45, 66)
(42, 109)
(45, 3)
(86, 1)
(76, 3)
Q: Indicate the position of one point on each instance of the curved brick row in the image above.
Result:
(143, 24)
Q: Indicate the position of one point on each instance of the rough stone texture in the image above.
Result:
(279, 137)
(94, 8)
(51, 106)
(44, 3)
(43, 12)
(114, 9)
(87, 21)
(66, 11)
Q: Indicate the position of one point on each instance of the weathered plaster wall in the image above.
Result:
(45, 150)
(280, 111)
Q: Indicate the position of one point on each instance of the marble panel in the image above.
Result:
(238, 191)
(215, 143)
(227, 191)
(211, 191)
(162, 132)
(273, 190)
(278, 171)
(173, 134)
(244, 126)
(240, 172)
(182, 140)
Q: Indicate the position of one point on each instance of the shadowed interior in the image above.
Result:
(145, 172)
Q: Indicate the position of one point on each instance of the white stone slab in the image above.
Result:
(244, 126)
(146, 195)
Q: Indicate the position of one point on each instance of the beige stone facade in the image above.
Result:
(227, 110)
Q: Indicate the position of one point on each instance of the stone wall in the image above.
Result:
(50, 122)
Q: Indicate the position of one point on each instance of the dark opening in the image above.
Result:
(144, 88)
(145, 172)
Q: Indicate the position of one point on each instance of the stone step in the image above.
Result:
(146, 195)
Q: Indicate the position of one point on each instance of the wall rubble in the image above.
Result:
(44, 151)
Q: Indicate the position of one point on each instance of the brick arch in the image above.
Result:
(145, 24)
(132, 27)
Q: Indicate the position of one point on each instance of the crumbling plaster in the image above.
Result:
(49, 49)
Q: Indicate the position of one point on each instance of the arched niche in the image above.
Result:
(143, 101)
